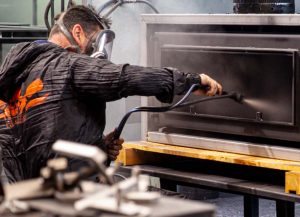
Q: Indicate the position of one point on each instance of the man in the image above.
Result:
(53, 90)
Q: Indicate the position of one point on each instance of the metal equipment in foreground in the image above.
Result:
(73, 191)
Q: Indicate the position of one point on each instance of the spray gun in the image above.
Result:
(181, 103)
(237, 97)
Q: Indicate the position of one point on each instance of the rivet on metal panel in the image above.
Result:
(259, 116)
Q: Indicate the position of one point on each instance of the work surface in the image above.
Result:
(166, 207)
(139, 153)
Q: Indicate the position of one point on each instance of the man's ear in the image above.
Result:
(78, 34)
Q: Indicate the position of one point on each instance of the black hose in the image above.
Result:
(121, 125)
(46, 13)
(179, 104)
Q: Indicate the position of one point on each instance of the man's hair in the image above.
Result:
(84, 16)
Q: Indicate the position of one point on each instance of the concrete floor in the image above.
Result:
(232, 206)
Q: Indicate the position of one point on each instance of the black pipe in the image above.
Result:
(52, 13)
(62, 5)
(34, 12)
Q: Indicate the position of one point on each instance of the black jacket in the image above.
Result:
(49, 93)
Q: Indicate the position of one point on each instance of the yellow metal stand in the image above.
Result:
(146, 152)
(292, 182)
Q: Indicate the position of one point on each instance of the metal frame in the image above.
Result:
(283, 20)
(250, 190)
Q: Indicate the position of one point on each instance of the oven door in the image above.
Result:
(265, 76)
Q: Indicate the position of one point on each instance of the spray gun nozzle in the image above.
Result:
(238, 97)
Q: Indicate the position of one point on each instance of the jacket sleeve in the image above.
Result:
(110, 81)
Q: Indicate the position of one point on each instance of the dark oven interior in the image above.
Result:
(263, 66)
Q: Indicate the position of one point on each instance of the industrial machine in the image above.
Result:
(256, 55)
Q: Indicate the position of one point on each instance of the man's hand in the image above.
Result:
(213, 87)
(113, 146)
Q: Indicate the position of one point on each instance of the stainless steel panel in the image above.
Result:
(250, 34)
(226, 145)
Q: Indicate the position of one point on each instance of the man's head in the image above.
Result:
(81, 26)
